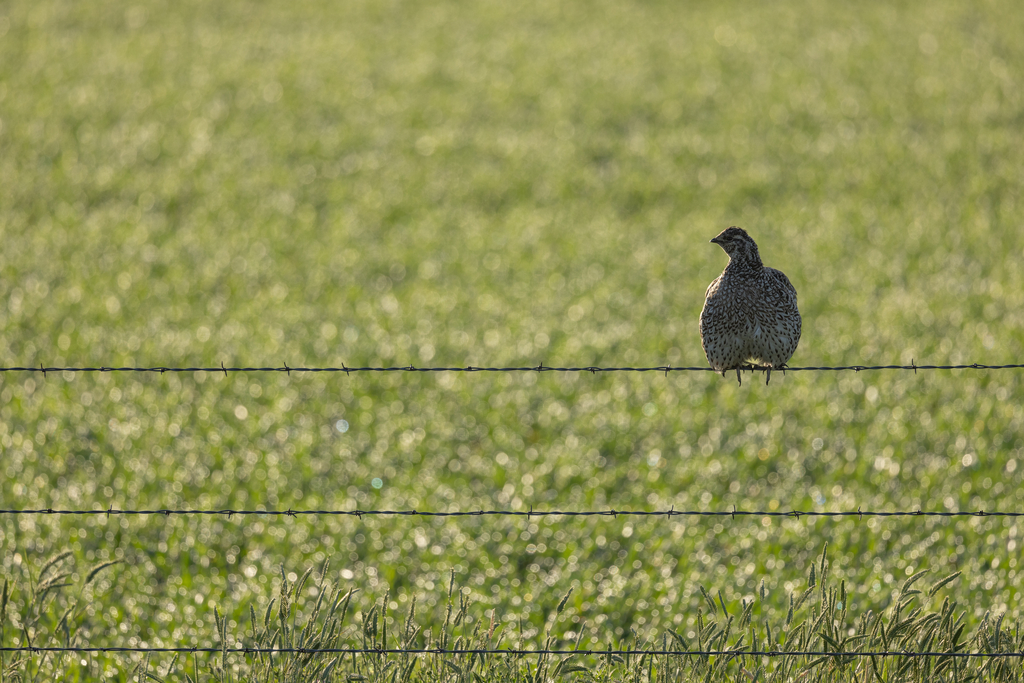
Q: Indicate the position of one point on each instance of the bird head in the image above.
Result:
(736, 242)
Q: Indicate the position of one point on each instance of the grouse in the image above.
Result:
(750, 311)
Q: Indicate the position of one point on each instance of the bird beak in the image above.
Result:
(715, 240)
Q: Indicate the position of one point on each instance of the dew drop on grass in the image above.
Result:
(341, 426)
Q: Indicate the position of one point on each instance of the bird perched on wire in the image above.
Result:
(750, 311)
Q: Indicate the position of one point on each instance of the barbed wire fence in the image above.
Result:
(745, 652)
(792, 514)
(44, 370)
(529, 514)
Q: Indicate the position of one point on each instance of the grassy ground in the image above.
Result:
(490, 184)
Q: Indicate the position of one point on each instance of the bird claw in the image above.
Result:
(739, 379)
(770, 368)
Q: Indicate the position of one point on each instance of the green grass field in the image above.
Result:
(448, 184)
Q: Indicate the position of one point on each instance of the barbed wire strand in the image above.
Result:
(516, 652)
(471, 368)
(796, 514)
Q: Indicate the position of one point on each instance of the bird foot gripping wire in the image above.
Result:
(769, 371)
(739, 378)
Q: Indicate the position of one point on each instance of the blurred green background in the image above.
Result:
(490, 183)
